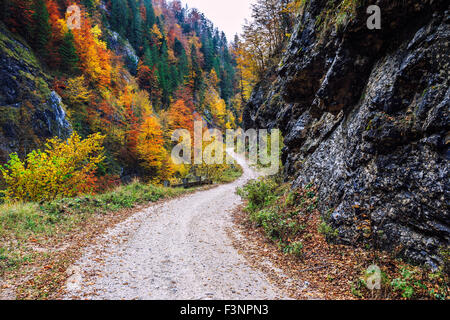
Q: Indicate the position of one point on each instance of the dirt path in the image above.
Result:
(175, 250)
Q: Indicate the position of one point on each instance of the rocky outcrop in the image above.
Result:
(118, 44)
(30, 112)
(365, 116)
(122, 48)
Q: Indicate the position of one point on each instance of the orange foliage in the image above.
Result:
(95, 57)
(180, 117)
(147, 80)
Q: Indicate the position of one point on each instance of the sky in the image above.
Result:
(227, 15)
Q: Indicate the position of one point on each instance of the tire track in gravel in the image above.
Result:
(174, 250)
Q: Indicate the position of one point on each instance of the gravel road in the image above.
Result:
(174, 250)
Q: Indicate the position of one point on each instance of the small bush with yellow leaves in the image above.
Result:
(63, 169)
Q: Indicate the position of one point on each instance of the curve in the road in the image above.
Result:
(178, 249)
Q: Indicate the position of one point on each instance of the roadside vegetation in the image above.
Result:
(288, 220)
(230, 174)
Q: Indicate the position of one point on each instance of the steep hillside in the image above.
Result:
(365, 115)
(131, 69)
(30, 111)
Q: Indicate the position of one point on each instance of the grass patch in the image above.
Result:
(24, 220)
(11, 259)
(230, 174)
(279, 211)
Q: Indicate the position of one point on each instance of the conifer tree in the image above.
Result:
(68, 53)
(150, 13)
(42, 28)
(89, 4)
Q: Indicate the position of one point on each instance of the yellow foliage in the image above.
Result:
(77, 92)
(97, 33)
(217, 106)
(214, 79)
(64, 169)
(62, 26)
(231, 120)
(247, 68)
(155, 30)
(141, 102)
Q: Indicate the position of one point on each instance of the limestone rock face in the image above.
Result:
(123, 48)
(365, 116)
(30, 112)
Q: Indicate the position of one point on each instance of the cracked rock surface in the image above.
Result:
(365, 116)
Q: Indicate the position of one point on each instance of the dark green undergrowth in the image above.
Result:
(279, 211)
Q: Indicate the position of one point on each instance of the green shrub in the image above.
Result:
(278, 211)
(404, 284)
(294, 248)
(259, 193)
(327, 230)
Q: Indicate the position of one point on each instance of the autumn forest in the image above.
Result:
(134, 71)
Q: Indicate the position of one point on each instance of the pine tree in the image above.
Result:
(119, 16)
(208, 52)
(148, 57)
(150, 13)
(136, 32)
(4, 9)
(196, 73)
(89, 4)
(164, 75)
(42, 28)
(68, 53)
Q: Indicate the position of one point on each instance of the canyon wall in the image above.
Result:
(365, 116)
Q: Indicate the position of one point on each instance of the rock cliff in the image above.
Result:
(365, 116)
(30, 112)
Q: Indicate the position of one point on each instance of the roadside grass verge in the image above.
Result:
(302, 245)
(230, 174)
(22, 221)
